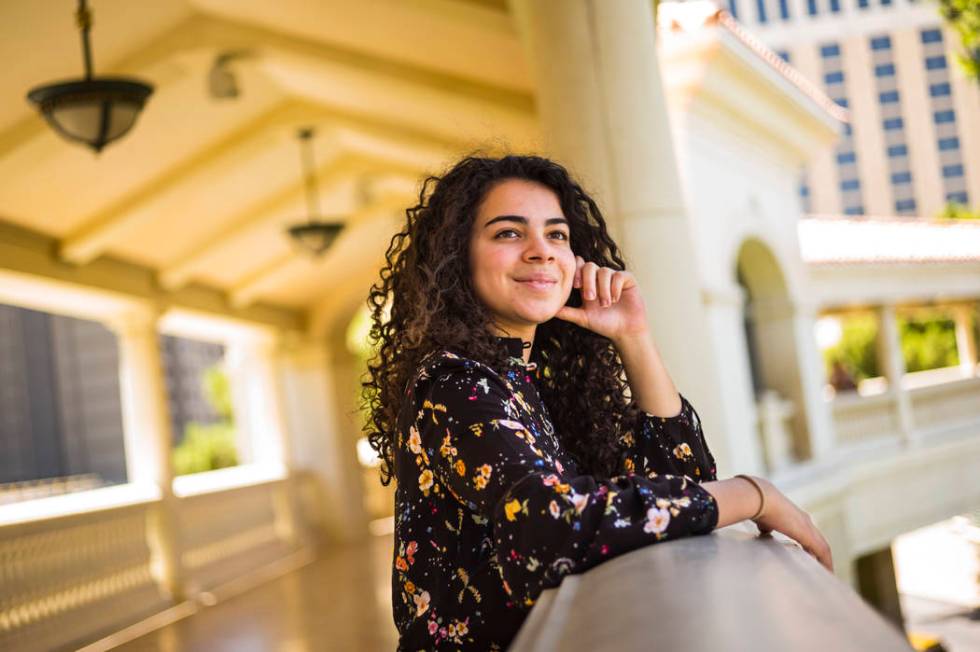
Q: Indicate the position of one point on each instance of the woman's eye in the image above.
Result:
(500, 233)
(562, 235)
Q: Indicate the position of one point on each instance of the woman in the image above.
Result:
(521, 405)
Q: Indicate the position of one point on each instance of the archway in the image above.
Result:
(774, 348)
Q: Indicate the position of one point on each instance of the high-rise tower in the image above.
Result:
(913, 143)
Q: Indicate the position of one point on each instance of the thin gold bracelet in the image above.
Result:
(762, 494)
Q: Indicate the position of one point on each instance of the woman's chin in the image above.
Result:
(540, 315)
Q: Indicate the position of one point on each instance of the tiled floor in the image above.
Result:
(339, 602)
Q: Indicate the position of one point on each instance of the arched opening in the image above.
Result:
(774, 353)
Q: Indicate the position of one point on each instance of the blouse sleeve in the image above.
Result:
(468, 440)
(669, 445)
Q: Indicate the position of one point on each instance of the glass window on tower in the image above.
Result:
(946, 130)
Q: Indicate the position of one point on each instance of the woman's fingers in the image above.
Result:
(602, 284)
(604, 277)
(618, 281)
(589, 273)
(784, 516)
(814, 543)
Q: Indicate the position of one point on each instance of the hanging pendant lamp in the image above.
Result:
(94, 110)
(313, 236)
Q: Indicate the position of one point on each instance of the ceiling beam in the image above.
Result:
(100, 231)
(332, 169)
(349, 150)
(444, 106)
(388, 199)
(31, 253)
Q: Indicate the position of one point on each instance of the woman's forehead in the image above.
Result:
(522, 198)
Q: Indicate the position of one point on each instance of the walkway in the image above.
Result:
(339, 602)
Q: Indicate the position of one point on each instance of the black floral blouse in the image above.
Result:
(490, 510)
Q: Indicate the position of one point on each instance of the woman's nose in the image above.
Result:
(538, 247)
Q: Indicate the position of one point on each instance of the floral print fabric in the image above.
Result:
(490, 509)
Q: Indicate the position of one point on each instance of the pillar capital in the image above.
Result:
(134, 321)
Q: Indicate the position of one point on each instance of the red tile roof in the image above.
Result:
(679, 17)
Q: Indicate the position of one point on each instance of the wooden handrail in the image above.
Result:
(729, 590)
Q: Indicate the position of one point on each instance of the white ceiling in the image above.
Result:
(201, 190)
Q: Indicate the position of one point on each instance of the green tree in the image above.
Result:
(209, 446)
(964, 17)
(857, 348)
(954, 211)
(928, 342)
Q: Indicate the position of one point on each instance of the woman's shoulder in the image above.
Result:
(442, 362)
(446, 376)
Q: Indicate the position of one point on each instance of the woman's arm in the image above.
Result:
(468, 440)
(669, 445)
(650, 384)
(612, 307)
(738, 500)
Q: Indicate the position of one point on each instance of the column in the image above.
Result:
(261, 421)
(603, 114)
(791, 365)
(726, 321)
(148, 437)
(966, 344)
(321, 440)
(877, 585)
(820, 423)
(893, 365)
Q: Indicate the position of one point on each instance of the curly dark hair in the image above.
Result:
(433, 306)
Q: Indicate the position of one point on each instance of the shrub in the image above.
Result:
(928, 342)
(857, 348)
(206, 446)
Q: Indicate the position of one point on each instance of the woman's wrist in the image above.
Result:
(738, 500)
(631, 343)
(762, 495)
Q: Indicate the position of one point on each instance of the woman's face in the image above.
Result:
(521, 256)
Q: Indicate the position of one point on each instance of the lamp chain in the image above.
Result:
(312, 196)
(83, 18)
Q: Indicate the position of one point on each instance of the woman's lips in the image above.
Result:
(539, 285)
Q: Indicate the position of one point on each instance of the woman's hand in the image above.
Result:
(611, 302)
(782, 515)
(737, 500)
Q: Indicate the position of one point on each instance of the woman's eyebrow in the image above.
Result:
(523, 220)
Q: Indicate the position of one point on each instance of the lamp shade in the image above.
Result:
(314, 237)
(92, 111)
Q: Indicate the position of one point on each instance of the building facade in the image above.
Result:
(913, 141)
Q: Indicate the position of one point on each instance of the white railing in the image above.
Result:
(941, 406)
(80, 566)
(940, 402)
(80, 573)
(774, 415)
(15, 492)
(861, 418)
